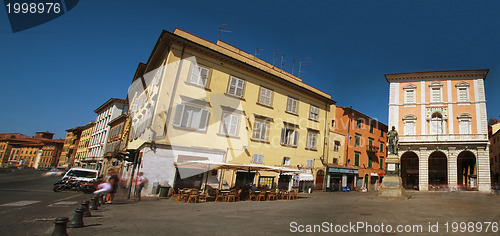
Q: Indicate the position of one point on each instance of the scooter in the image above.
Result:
(75, 185)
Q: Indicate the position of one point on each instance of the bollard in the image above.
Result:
(60, 226)
(85, 208)
(77, 221)
(93, 203)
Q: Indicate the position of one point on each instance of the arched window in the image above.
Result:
(410, 122)
(436, 124)
(464, 123)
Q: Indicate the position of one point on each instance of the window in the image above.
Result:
(214, 172)
(436, 124)
(356, 159)
(371, 128)
(312, 139)
(236, 87)
(336, 146)
(265, 96)
(289, 136)
(370, 162)
(199, 75)
(266, 181)
(381, 147)
(309, 163)
(358, 123)
(292, 105)
(286, 161)
(190, 117)
(357, 140)
(409, 91)
(410, 122)
(260, 130)
(381, 133)
(436, 91)
(464, 123)
(381, 163)
(370, 142)
(313, 114)
(229, 124)
(463, 91)
(257, 158)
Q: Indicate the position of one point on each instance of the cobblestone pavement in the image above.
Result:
(424, 211)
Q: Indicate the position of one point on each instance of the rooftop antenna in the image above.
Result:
(257, 51)
(282, 60)
(303, 63)
(221, 30)
(282, 57)
(293, 65)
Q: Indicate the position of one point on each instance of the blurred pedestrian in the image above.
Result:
(113, 180)
(140, 182)
(102, 187)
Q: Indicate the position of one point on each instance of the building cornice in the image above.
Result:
(437, 75)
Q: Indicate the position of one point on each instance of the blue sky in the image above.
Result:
(55, 75)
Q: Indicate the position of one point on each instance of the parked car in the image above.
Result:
(80, 174)
(55, 171)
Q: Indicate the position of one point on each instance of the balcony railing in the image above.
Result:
(443, 137)
(372, 148)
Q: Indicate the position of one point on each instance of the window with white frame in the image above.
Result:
(312, 139)
(190, 117)
(292, 105)
(199, 75)
(409, 91)
(229, 124)
(313, 113)
(436, 91)
(260, 130)
(410, 122)
(235, 87)
(289, 136)
(286, 161)
(257, 158)
(436, 124)
(464, 123)
(265, 96)
(309, 163)
(463, 91)
(336, 146)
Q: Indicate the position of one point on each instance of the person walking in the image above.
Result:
(113, 180)
(140, 181)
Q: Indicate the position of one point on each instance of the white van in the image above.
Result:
(86, 175)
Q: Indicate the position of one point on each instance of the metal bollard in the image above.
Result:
(86, 210)
(93, 203)
(60, 226)
(77, 221)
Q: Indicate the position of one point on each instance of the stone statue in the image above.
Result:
(393, 141)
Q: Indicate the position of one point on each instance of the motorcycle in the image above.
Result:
(73, 184)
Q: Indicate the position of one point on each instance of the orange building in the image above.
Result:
(365, 150)
(494, 137)
(442, 123)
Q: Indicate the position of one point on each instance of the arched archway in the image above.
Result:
(438, 171)
(467, 170)
(409, 170)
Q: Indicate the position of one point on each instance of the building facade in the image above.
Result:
(494, 137)
(68, 154)
(117, 141)
(217, 103)
(365, 150)
(83, 144)
(108, 111)
(442, 123)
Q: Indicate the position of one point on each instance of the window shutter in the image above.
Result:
(283, 136)
(234, 125)
(204, 119)
(179, 109)
(256, 131)
(204, 76)
(239, 89)
(295, 137)
(232, 86)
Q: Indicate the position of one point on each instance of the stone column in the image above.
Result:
(483, 169)
(452, 168)
(423, 169)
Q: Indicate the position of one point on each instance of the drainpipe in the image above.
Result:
(326, 148)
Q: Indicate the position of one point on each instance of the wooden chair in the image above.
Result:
(292, 195)
(253, 195)
(232, 195)
(175, 194)
(238, 195)
(272, 195)
(262, 195)
(219, 195)
(283, 194)
(185, 194)
(193, 194)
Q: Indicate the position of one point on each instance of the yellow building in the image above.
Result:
(83, 144)
(214, 102)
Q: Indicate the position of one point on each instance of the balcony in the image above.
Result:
(443, 138)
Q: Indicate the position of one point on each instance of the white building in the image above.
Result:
(108, 111)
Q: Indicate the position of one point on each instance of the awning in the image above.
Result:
(306, 177)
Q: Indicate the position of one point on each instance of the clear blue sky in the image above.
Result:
(55, 75)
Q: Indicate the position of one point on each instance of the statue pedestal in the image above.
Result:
(392, 186)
